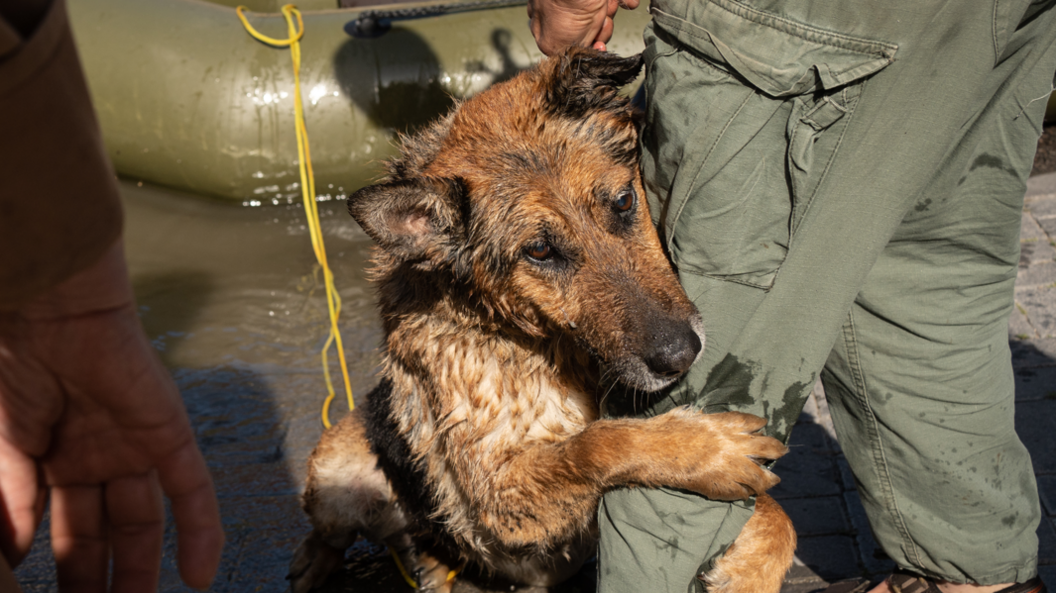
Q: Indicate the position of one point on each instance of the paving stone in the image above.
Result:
(1040, 305)
(1047, 492)
(37, 571)
(809, 467)
(832, 557)
(1047, 224)
(38, 587)
(810, 413)
(1033, 353)
(1037, 274)
(813, 435)
(823, 515)
(846, 475)
(824, 418)
(1048, 574)
(1041, 185)
(1029, 231)
(873, 559)
(275, 512)
(801, 579)
(262, 533)
(1036, 425)
(1042, 206)
(1047, 541)
(1035, 383)
(1019, 327)
(169, 581)
(1036, 251)
(256, 479)
(264, 560)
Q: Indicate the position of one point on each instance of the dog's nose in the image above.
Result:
(674, 351)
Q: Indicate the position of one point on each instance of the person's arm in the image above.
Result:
(556, 24)
(88, 415)
(59, 206)
(91, 418)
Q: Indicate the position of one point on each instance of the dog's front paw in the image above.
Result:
(313, 562)
(723, 457)
(432, 575)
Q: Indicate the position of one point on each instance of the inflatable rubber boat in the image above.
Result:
(187, 99)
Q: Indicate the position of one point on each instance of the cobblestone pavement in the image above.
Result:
(257, 426)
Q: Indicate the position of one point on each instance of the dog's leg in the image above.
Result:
(313, 562)
(346, 494)
(717, 455)
(758, 560)
(548, 492)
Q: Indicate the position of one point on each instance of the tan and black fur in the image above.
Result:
(519, 274)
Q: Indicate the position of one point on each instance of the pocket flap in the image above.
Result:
(779, 56)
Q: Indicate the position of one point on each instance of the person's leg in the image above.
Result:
(920, 382)
(849, 164)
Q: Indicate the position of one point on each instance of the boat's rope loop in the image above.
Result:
(374, 23)
(311, 207)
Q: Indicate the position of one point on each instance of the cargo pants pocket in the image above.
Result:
(744, 113)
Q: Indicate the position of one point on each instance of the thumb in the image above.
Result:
(21, 501)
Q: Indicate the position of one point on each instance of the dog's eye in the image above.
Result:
(625, 201)
(540, 250)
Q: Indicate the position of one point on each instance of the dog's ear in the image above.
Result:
(415, 219)
(584, 80)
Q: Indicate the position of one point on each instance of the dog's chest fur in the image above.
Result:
(457, 389)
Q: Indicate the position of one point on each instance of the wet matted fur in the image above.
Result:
(519, 276)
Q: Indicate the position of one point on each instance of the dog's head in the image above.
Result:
(528, 197)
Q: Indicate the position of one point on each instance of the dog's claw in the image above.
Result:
(312, 563)
(729, 466)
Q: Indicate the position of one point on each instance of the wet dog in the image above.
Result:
(519, 274)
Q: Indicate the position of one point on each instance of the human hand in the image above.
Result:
(556, 24)
(91, 418)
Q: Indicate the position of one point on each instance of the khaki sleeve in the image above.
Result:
(59, 204)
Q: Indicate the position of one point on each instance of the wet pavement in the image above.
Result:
(232, 298)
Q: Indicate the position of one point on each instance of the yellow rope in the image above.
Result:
(410, 580)
(403, 571)
(311, 208)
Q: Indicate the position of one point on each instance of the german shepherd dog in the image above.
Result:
(519, 277)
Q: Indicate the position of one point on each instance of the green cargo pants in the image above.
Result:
(840, 185)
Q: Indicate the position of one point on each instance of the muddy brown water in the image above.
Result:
(232, 300)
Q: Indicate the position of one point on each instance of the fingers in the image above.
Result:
(604, 35)
(78, 538)
(136, 515)
(126, 516)
(556, 24)
(186, 481)
(21, 502)
(144, 402)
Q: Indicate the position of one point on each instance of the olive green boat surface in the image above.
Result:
(187, 99)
